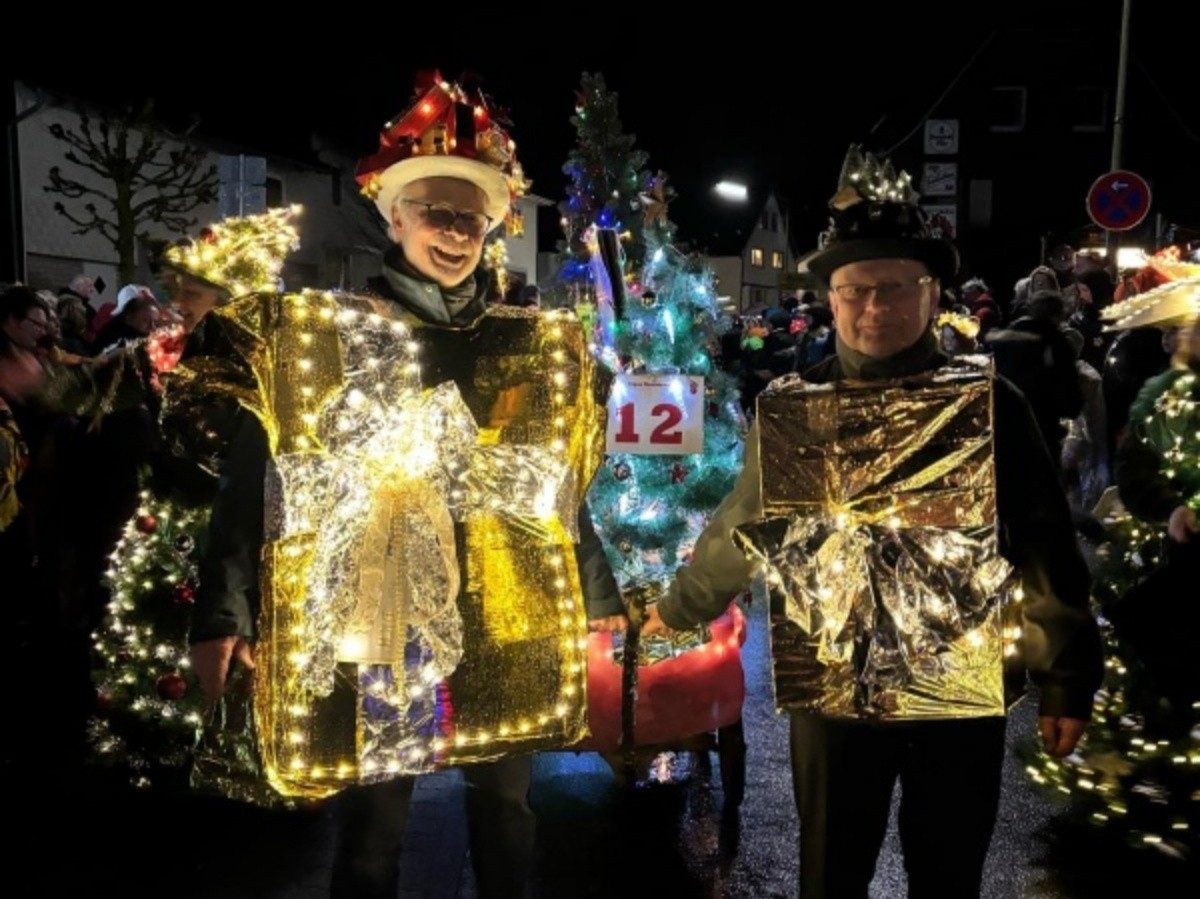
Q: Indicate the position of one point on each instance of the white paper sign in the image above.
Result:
(656, 415)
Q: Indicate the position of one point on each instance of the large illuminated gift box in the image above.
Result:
(421, 604)
(889, 597)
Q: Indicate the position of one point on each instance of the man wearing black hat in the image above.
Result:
(884, 271)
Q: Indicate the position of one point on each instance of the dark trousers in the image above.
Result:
(500, 824)
(843, 773)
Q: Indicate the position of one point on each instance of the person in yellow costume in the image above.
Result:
(444, 179)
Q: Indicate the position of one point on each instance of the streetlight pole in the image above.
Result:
(1112, 241)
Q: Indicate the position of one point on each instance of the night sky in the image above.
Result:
(771, 94)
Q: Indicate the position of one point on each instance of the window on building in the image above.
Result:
(774, 222)
(776, 259)
(1090, 114)
(1006, 111)
(764, 221)
(756, 257)
(274, 188)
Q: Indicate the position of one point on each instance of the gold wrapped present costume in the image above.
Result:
(880, 546)
(421, 605)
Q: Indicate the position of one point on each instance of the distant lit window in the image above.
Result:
(1006, 112)
(1091, 110)
(756, 257)
(776, 260)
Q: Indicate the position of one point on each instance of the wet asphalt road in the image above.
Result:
(664, 834)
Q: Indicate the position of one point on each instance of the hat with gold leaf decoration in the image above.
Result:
(875, 215)
(239, 254)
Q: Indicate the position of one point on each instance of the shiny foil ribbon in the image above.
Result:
(421, 604)
(880, 549)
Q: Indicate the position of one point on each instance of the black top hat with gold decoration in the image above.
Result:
(448, 132)
(875, 215)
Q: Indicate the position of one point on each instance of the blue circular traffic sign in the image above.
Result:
(1118, 201)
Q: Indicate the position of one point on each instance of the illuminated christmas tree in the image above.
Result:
(658, 316)
(149, 709)
(609, 187)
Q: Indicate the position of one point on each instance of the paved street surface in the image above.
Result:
(665, 835)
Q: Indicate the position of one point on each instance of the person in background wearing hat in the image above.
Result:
(884, 273)
(1158, 481)
(440, 199)
(132, 319)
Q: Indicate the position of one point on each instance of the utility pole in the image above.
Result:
(1112, 241)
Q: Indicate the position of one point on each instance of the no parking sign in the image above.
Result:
(1118, 201)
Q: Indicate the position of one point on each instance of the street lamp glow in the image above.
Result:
(731, 190)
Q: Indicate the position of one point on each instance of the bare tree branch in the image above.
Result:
(148, 175)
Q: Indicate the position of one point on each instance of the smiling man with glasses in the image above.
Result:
(854, 463)
(443, 180)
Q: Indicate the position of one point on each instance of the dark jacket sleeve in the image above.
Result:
(702, 590)
(1060, 637)
(601, 595)
(228, 595)
(1143, 487)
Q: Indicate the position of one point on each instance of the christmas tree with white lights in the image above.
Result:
(658, 317)
(148, 707)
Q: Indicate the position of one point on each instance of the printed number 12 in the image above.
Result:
(666, 432)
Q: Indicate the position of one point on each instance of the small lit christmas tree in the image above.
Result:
(149, 709)
(648, 509)
(609, 187)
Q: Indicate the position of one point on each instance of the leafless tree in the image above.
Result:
(145, 174)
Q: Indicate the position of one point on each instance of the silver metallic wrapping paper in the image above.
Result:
(889, 597)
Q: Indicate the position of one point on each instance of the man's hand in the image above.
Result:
(211, 660)
(609, 623)
(653, 624)
(1181, 526)
(1059, 735)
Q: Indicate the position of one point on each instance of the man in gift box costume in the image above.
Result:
(893, 520)
(444, 618)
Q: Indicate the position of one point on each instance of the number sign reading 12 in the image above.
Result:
(656, 415)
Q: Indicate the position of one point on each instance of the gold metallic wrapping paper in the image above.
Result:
(421, 604)
(891, 599)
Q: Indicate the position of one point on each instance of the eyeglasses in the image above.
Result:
(444, 218)
(887, 290)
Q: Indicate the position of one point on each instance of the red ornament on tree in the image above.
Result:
(678, 473)
(171, 686)
(714, 410)
(184, 594)
(147, 524)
